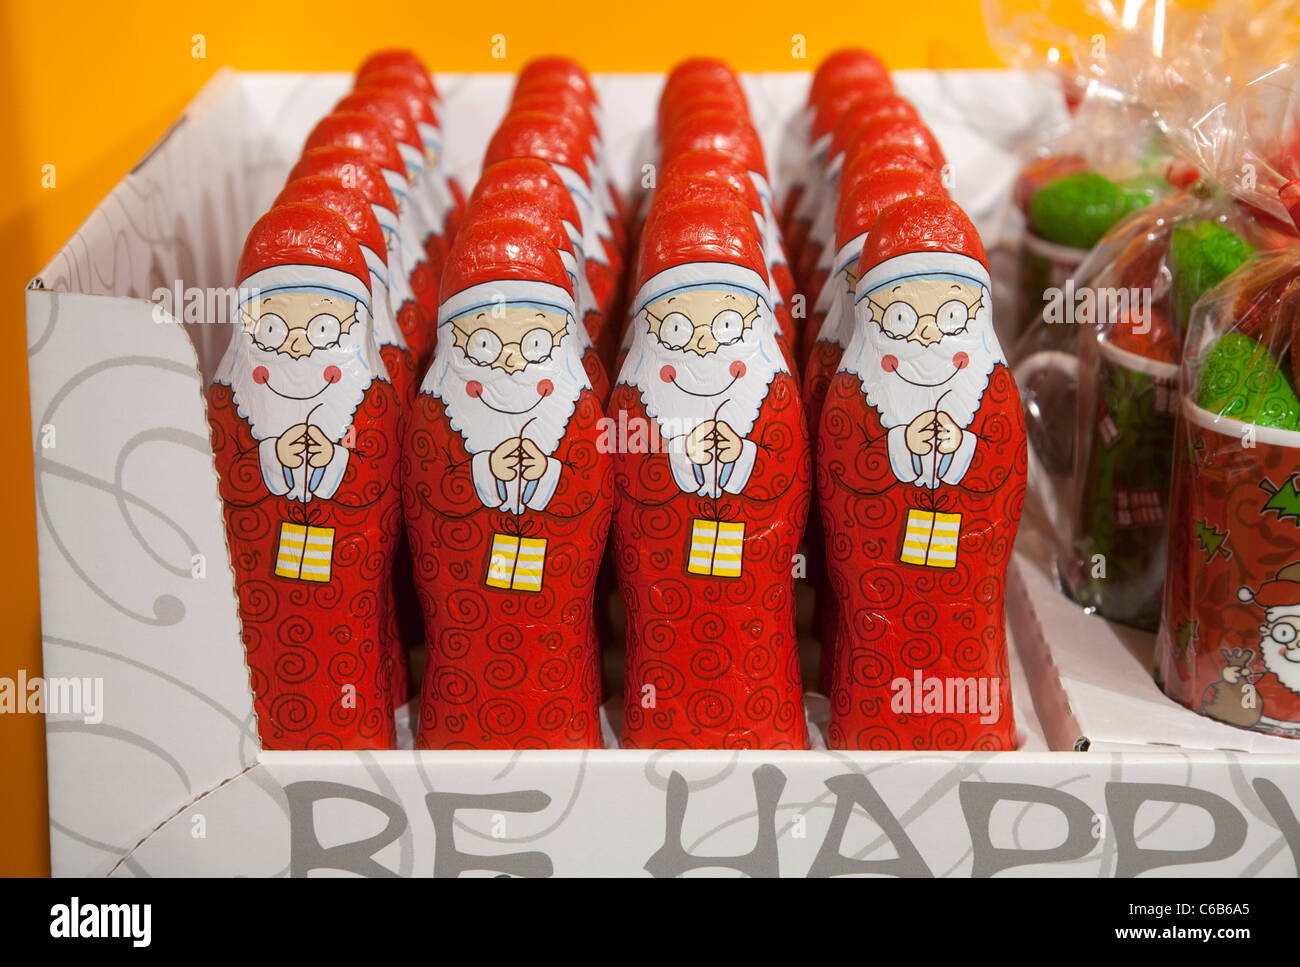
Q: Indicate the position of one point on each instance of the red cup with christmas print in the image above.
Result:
(921, 464)
(304, 422)
(1228, 642)
(507, 500)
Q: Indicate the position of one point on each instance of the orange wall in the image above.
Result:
(87, 88)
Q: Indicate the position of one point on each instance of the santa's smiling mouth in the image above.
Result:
(959, 362)
(262, 376)
(544, 389)
(669, 375)
(1290, 654)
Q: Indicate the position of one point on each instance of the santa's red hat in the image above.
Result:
(537, 178)
(364, 132)
(300, 247)
(512, 203)
(498, 260)
(700, 244)
(561, 103)
(859, 207)
(699, 74)
(835, 102)
(722, 132)
(350, 166)
(417, 101)
(896, 131)
(548, 71)
(399, 60)
(330, 193)
(848, 64)
(870, 107)
(925, 236)
(390, 109)
(536, 134)
(881, 157)
(1282, 591)
(677, 190)
(709, 164)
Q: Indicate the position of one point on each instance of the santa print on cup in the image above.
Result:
(711, 490)
(303, 422)
(507, 500)
(921, 463)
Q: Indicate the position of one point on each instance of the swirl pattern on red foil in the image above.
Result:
(319, 656)
(901, 620)
(507, 669)
(712, 662)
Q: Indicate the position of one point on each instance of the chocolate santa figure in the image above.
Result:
(711, 488)
(368, 134)
(507, 499)
(921, 463)
(304, 430)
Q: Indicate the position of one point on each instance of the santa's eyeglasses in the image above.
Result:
(271, 333)
(484, 347)
(676, 328)
(898, 320)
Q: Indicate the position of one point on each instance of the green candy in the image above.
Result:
(1241, 380)
(1079, 209)
(1200, 257)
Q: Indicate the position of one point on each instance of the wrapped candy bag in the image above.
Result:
(1099, 369)
(1108, 159)
(304, 429)
(1227, 644)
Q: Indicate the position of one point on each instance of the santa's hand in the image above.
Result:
(505, 459)
(291, 446)
(1232, 674)
(728, 443)
(320, 448)
(699, 443)
(533, 462)
(949, 433)
(920, 434)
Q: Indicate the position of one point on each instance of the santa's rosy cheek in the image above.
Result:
(333, 374)
(545, 388)
(960, 360)
(668, 374)
(260, 375)
(737, 369)
(474, 388)
(889, 364)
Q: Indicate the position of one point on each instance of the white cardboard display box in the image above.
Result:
(136, 591)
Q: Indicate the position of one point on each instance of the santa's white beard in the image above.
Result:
(1286, 670)
(679, 412)
(898, 401)
(483, 427)
(331, 408)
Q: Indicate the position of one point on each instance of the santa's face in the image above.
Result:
(924, 344)
(509, 337)
(924, 310)
(510, 370)
(701, 321)
(300, 356)
(700, 354)
(1280, 645)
